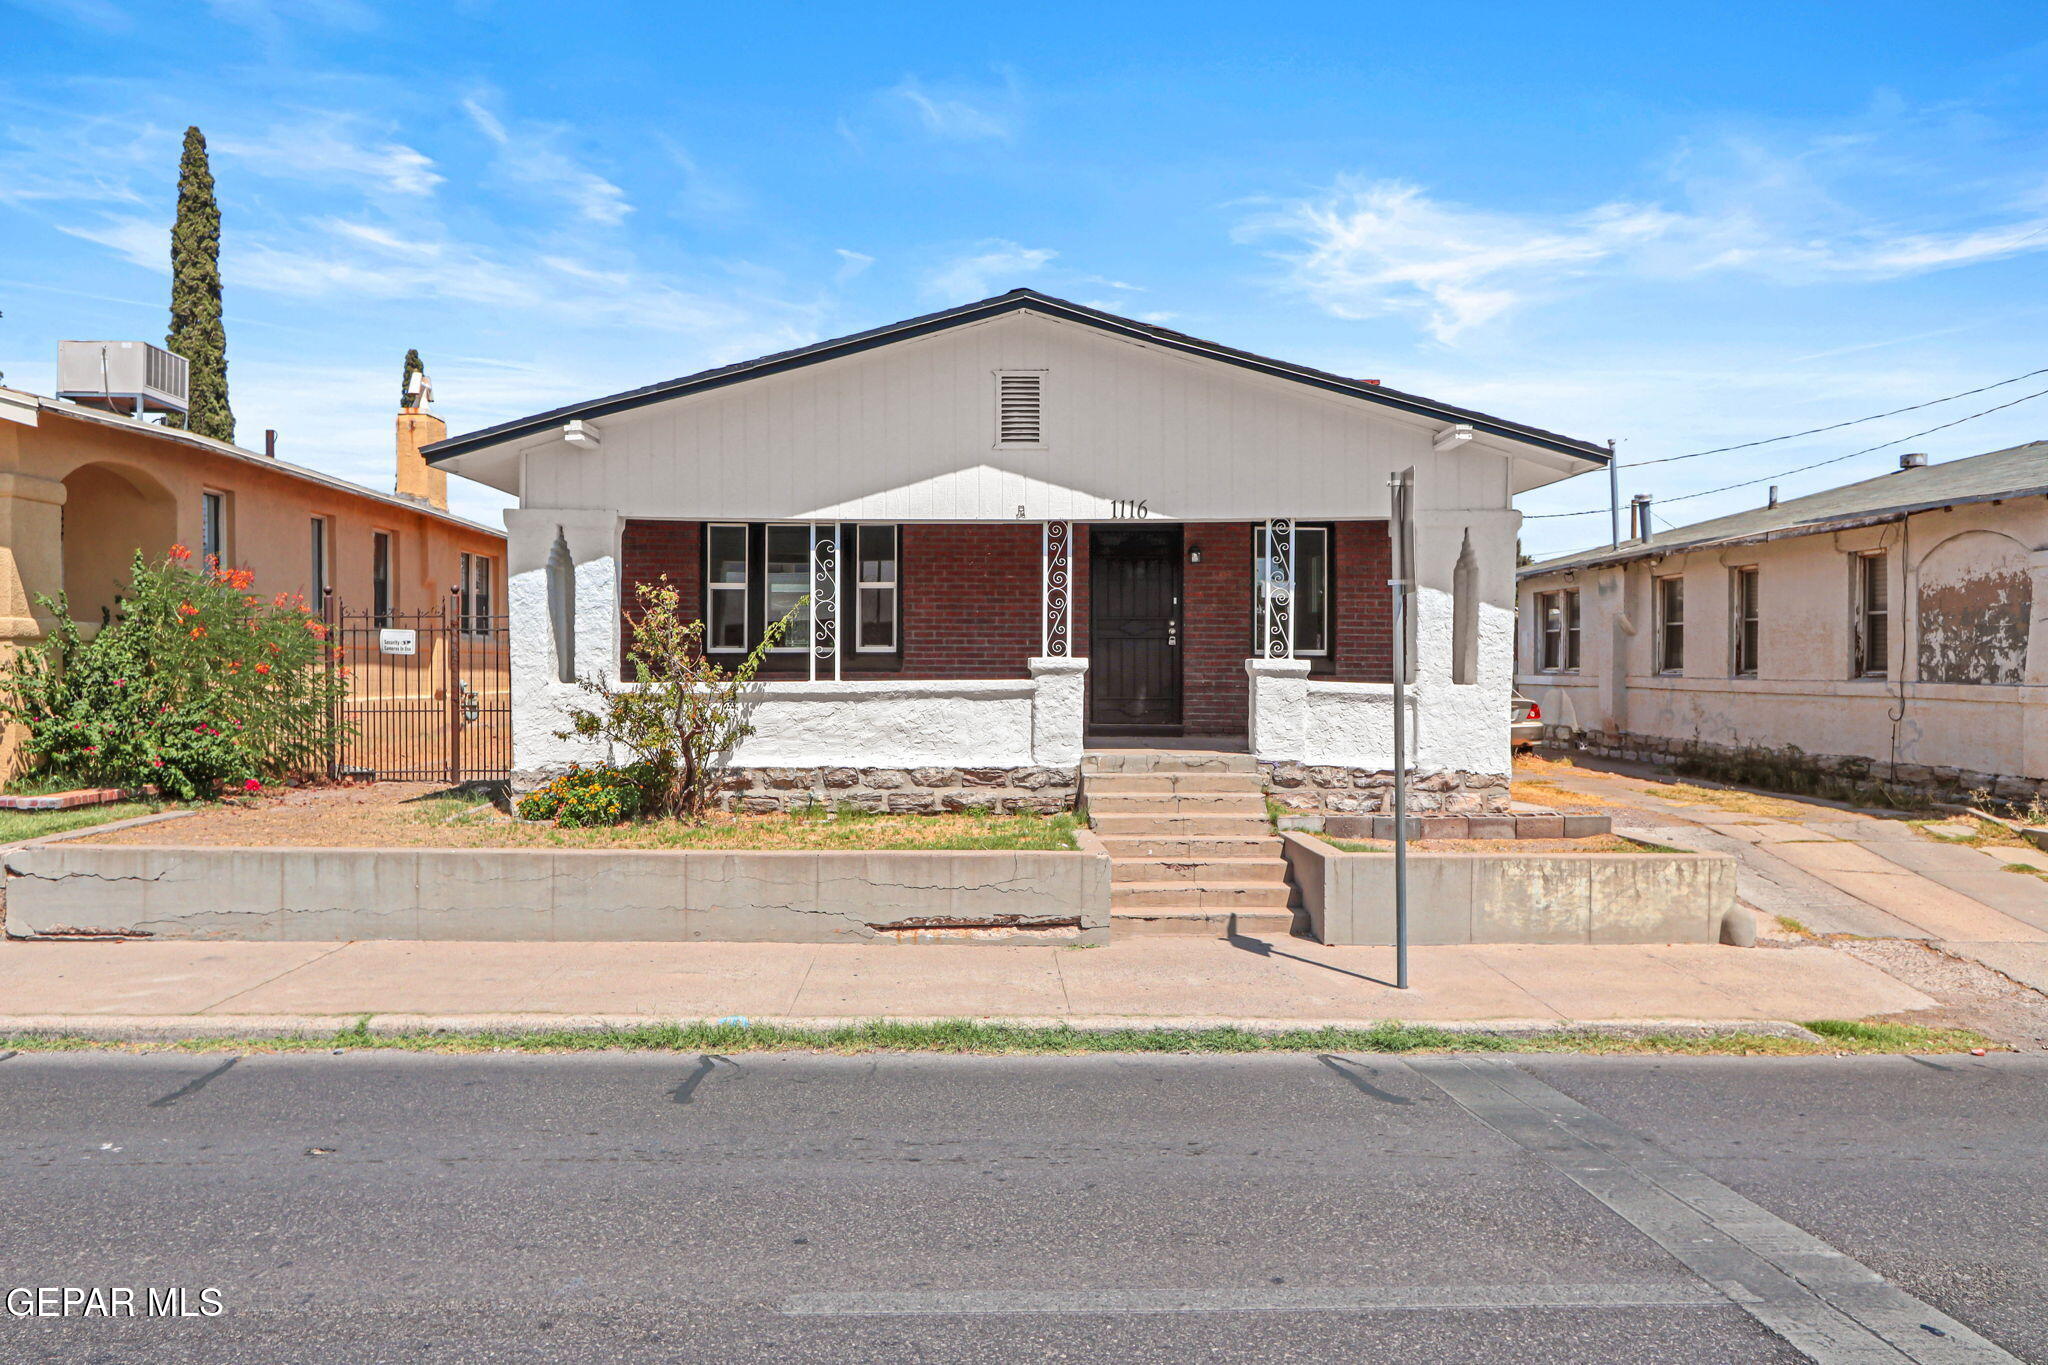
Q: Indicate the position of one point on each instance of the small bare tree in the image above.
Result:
(686, 715)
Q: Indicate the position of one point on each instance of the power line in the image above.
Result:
(1787, 473)
(1837, 426)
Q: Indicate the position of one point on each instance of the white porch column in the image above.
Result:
(562, 595)
(1058, 706)
(1278, 729)
(1056, 579)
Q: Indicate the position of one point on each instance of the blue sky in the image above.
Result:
(1679, 226)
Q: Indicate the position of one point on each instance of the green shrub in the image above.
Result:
(590, 796)
(191, 684)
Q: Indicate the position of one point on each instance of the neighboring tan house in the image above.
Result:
(83, 489)
(1025, 527)
(1886, 629)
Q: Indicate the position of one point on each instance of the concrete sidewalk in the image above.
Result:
(1161, 979)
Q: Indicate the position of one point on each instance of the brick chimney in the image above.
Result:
(417, 479)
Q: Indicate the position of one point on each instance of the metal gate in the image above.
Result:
(429, 695)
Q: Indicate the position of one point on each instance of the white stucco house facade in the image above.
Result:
(1019, 528)
(1888, 630)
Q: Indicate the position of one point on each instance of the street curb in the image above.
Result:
(171, 1029)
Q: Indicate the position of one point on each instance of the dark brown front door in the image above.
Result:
(1134, 630)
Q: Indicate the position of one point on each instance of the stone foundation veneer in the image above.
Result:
(910, 791)
(1319, 789)
(1853, 770)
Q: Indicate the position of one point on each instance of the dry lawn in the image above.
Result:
(426, 815)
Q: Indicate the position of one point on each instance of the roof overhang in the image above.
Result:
(1570, 454)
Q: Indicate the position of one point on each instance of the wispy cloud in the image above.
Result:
(139, 241)
(991, 263)
(1364, 248)
(955, 118)
(532, 156)
(851, 263)
(1368, 248)
(330, 147)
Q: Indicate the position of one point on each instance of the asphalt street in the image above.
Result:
(374, 1207)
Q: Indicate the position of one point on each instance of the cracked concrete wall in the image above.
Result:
(516, 894)
(1514, 897)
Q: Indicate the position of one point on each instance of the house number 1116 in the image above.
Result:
(1123, 509)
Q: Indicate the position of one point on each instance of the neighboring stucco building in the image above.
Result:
(82, 490)
(1886, 629)
(1029, 527)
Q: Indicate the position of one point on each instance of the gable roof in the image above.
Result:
(2016, 472)
(1017, 300)
(270, 464)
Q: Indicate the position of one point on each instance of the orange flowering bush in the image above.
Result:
(191, 685)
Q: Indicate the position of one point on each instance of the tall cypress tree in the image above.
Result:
(196, 332)
(413, 366)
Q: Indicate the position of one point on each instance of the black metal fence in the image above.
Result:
(429, 695)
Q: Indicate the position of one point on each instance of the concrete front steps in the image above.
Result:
(1191, 851)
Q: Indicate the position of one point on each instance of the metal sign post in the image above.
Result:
(1401, 530)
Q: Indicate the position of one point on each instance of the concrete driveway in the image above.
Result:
(1875, 885)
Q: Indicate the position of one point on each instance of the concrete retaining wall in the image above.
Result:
(1518, 897)
(70, 889)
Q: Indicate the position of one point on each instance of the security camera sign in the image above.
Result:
(398, 641)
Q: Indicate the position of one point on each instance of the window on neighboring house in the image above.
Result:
(1873, 616)
(725, 577)
(1311, 590)
(1557, 615)
(1670, 635)
(875, 583)
(476, 594)
(320, 568)
(383, 581)
(213, 529)
(1744, 602)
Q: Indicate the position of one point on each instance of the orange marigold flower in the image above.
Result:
(316, 630)
(187, 609)
(198, 631)
(263, 668)
(180, 552)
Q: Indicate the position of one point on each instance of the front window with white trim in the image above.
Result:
(787, 578)
(876, 586)
(1311, 587)
(725, 574)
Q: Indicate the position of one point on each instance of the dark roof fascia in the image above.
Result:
(1015, 301)
(1845, 521)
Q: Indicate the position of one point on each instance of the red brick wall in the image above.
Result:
(970, 600)
(1216, 630)
(649, 549)
(971, 603)
(1365, 641)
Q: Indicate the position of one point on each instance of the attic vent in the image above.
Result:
(1020, 407)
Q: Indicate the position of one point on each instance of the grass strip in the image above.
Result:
(974, 1038)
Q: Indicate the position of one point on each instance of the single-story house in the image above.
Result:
(83, 489)
(1020, 528)
(1887, 630)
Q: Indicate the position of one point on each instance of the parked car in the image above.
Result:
(1525, 722)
